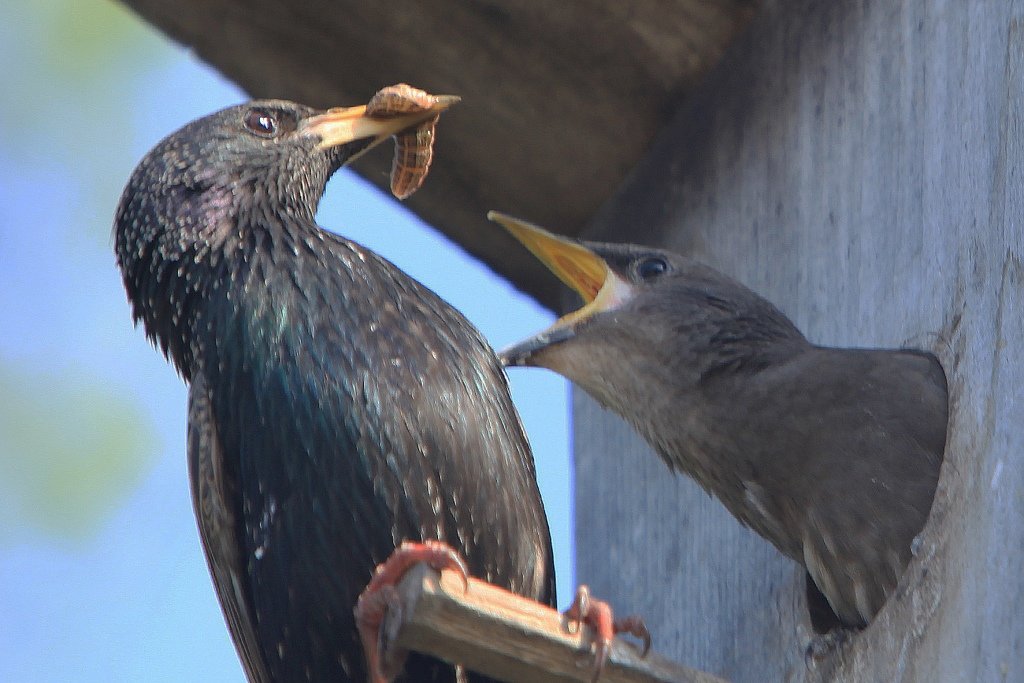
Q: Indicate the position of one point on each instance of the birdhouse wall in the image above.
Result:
(860, 165)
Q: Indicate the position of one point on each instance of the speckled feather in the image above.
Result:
(336, 405)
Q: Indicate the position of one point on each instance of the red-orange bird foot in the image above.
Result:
(598, 614)
(380, 597)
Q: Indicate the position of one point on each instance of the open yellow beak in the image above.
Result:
(342, 125)
(578, 267)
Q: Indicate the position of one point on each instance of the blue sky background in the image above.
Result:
(101, 574)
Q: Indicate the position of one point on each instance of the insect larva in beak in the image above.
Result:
(414, 148)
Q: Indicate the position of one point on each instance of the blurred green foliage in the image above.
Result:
(64, 70)
(98, 35)
(71, 446)
(71, 449)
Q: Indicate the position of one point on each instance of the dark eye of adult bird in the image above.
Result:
(336, 406)
(265, 123)
(831, 454)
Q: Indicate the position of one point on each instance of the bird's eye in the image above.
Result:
(651, 267)
(261, 122)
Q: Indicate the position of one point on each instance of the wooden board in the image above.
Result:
(494, 632)
(560, 100)
(861, 165)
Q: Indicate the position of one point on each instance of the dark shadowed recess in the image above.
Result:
(560, 100)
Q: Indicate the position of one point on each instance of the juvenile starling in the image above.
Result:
(831, 454)
(336, 406)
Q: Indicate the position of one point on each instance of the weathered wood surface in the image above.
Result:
(510, 638)
(860, 164)
(560, 100)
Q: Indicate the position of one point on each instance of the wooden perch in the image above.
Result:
(491, 631)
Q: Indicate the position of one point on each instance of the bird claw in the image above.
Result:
(824, 645)
(380, 598)
(598, 614)
(634, 625)
(383, 662)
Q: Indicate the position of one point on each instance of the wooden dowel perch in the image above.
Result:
(491, 631)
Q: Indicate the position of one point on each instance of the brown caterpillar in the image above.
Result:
(414, 148)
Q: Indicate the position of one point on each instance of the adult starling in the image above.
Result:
(831, 454)
(336, 406)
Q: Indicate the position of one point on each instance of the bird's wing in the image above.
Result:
(875, 458)
(853, 564)
(213, 502)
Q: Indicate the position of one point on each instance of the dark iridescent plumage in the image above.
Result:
(336, 406)
(831, 454)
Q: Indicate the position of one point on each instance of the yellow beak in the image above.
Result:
(342, 125)
(578, 267)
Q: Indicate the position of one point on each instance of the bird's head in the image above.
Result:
(197, 193)
(652, 321)
(269, 154)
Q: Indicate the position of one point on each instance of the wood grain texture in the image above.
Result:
(860, 164)
(560, 100)
(495, 632)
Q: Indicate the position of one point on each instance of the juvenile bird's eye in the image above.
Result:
(261, 122)
(651, 267)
